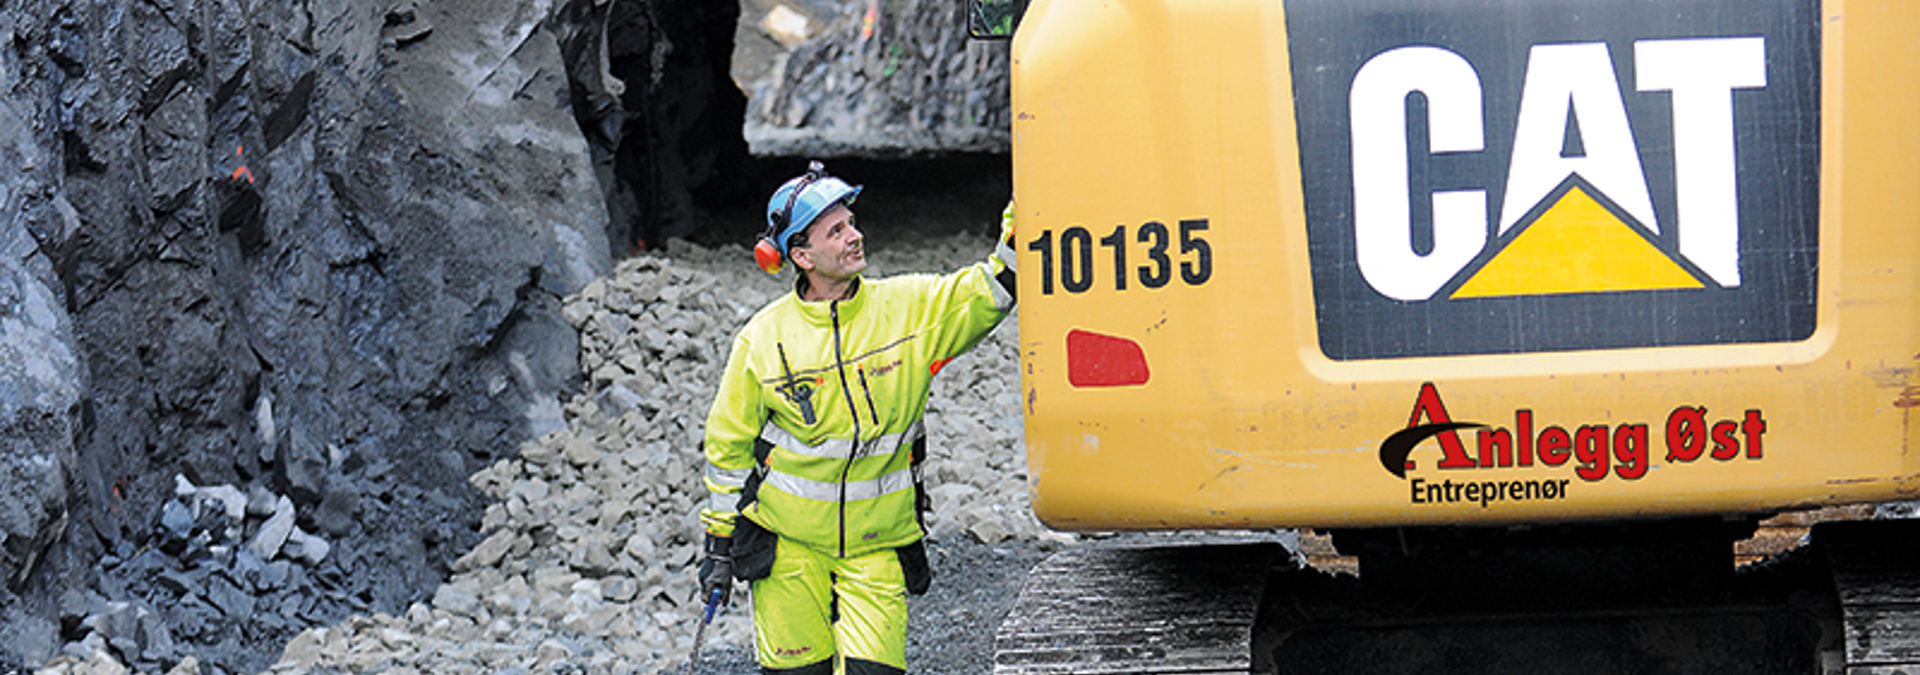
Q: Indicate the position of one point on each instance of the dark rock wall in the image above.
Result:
(314, 247)
(40, 376)
(885, 78)
(652, 93)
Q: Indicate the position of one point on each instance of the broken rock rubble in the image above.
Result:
(224, 558)
(591, 540)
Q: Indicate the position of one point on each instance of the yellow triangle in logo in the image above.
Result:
(1577, 246)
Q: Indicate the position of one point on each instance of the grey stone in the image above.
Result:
(591, 556)
(34, 637)
(538, 453)
(102, 664)
(619, 588)
(265, 428)
(337, 510)
(186, 666)
(534, 490)
(617, 400)
(261, 501)
(191, 619)
(177, 583)
(273, 575)
(233, 601)
(488, 552)
(77, 650)
(121, 624)
(183, 488)
(615, 324)
(304, 650)
(304, 467)
(544, 416)
(641, 547)
(455, 600)
(156, 639)
(77, 603)
(247, 566)
(230, 500)
(176, 526)
(307, 548)
(274, 532)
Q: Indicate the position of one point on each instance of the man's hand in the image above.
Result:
(1004, 250)
(1006, 225)
(716, 571)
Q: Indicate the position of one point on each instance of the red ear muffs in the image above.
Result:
(767, 256)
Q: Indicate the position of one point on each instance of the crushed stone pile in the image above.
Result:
(587, 565)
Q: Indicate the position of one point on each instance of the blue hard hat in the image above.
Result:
(797, 202)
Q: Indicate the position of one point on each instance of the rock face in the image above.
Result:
(650, 89)
(312, 247)
(875, 78)
(40, 375)
(307, 259)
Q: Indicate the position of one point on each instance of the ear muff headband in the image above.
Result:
(769, 253)
(785, 216)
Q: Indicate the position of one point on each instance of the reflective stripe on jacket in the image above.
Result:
(827, 398)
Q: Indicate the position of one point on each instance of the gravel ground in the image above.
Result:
(950, 629)
(587, 565)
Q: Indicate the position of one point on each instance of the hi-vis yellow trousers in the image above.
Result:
(814, 607)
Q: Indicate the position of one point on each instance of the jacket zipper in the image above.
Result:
(868, 392)
(840, 364)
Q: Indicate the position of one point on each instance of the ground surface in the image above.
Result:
(590, 537)
(950, 629)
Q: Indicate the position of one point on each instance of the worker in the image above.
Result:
(816, 437)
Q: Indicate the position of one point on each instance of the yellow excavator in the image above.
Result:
(1536, 305)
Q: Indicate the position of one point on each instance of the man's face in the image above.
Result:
(835, 249)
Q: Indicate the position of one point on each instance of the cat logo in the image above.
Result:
(1563, 176)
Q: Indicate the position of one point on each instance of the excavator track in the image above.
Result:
(1876, 575)
(1848, 604)
(1177, 609)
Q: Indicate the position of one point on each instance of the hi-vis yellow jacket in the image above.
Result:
(818, 420)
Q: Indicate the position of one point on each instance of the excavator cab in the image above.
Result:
(1546, 301)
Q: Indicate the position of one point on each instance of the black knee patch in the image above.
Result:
(865, 667)
(821, 667)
